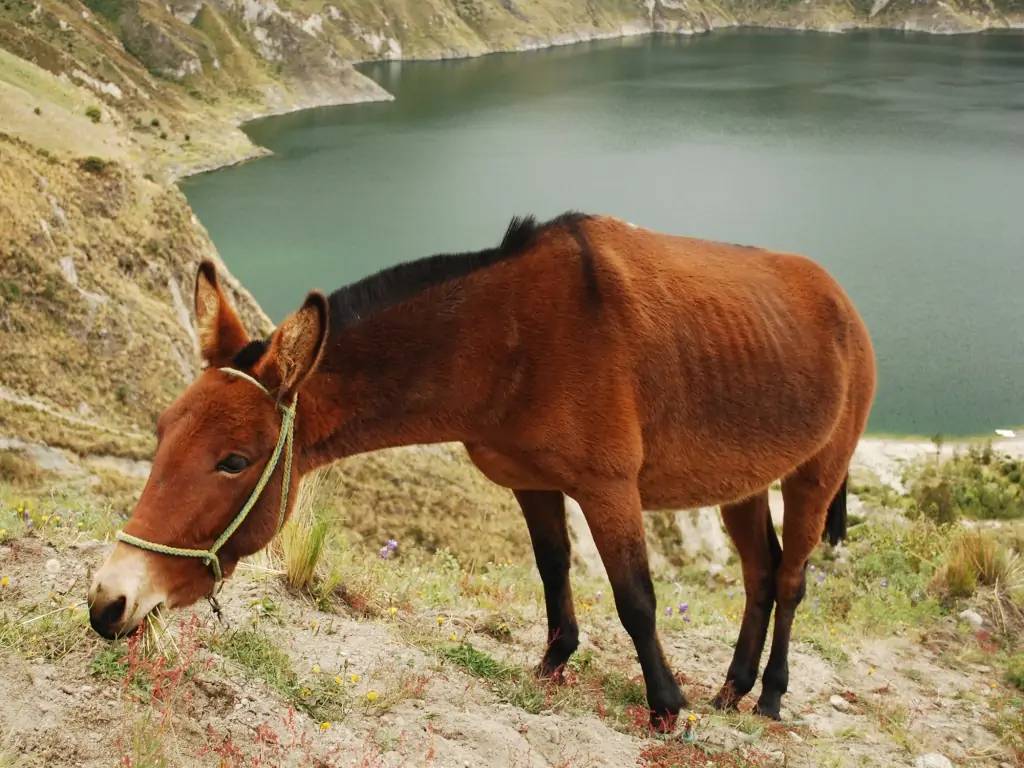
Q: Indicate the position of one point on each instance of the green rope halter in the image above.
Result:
(284, 443)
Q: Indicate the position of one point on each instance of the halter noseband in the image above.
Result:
(284, 443)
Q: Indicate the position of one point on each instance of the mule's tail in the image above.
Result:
(835, 523)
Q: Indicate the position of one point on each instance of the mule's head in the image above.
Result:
(213, 444)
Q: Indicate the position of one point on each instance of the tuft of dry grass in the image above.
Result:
(302, 540)
(977, 558)
(18, 470)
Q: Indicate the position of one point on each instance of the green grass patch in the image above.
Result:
(621, 692)
(110, 663)
(1015, 671)
(510, 683)
(256, 653)
(50, 633)
(322, 697)
(479, 663)
(109, 9)
(55, 513)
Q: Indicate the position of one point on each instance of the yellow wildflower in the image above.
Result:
(371, 696)
(353, 678)
(338, 680)
(316, 669)
(440, 620)
(325, 726)
(453, 637)
(305, 692)
(392, 611)
(4, 581)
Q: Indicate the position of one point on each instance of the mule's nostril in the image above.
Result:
(105, 619)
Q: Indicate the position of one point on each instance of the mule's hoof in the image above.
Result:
(663, 722)
(725, 702)
(768, 709)
(552, 674)
(665, 713)
(727, 699)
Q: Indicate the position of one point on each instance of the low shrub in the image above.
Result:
(93, 164)
(94, 114)
(980, 483)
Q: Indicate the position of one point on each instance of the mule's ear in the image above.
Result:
(221, 334)
(296, 347)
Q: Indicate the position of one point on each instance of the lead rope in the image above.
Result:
(285, 442)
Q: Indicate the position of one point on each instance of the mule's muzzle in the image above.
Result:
(122, 592)
(108, 619)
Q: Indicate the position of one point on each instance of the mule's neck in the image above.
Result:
(431, 369)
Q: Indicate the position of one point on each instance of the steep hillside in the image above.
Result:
(98, 265)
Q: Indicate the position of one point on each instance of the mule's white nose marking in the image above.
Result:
(125, 575)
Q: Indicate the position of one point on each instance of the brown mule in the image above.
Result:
(626, 368)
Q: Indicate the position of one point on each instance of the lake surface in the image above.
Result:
(895, 160)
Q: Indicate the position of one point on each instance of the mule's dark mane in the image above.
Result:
(394, 285)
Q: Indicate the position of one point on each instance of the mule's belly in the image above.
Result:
(683, 485)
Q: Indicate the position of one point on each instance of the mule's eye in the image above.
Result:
(232, 464)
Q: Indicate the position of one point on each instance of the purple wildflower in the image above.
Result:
(392, 545)
(668, 610)
(384, 553)
(684, 607)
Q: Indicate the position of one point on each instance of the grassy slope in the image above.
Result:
(425, 659)
(93, 255)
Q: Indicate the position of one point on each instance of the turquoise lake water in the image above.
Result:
(896, 160)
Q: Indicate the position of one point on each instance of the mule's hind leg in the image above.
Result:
(545, 516)
(807, 494)
(749, 523)
(615, 520)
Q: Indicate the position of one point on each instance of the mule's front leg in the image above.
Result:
(545, 516)
(614, 516)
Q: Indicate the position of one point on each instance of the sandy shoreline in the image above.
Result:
(886, 456)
